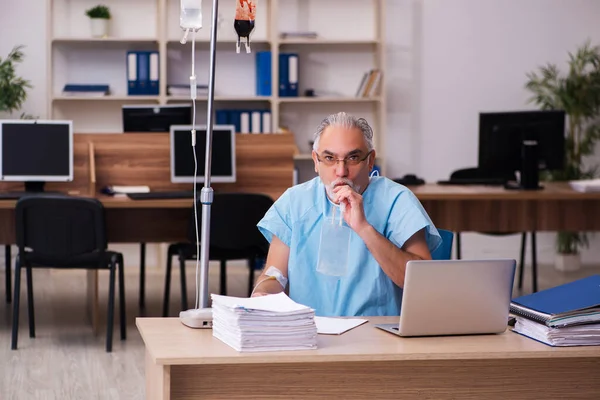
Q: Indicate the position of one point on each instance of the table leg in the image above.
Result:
(158, 380)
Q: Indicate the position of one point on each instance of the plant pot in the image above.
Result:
(99, 27)
(567, 262)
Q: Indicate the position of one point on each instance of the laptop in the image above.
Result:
(455, 297)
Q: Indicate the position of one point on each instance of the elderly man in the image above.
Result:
(388, 227)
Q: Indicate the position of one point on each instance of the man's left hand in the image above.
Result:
(354, 212)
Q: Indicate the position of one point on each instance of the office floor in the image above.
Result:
(66, 361)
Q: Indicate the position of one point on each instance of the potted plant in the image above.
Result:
(577, 92)
(13, 89)
(99, 17)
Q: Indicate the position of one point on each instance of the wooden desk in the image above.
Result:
(365, 363)
(494, 209)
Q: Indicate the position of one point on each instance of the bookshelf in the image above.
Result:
(332, 64)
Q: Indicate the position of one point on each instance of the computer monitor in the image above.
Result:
(154, 118)
(35, 152)
(523, 141)
(223, 166)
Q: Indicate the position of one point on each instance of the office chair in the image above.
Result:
(474, 173)
(233, 236)
(444, 251)
(64, 232)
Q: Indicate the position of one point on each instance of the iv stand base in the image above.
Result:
(198, 318)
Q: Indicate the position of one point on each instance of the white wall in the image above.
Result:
(447, 61)
(469, 56)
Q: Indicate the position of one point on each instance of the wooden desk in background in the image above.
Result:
(264, 164)
(495, 209)
(365, 363)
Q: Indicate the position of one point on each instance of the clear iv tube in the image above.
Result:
(206, 196)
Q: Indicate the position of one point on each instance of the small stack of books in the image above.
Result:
(566, 315)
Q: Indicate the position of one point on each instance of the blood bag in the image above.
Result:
(245, 15)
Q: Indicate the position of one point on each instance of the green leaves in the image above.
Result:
(13, 91)
(98, 12)
(578, 94)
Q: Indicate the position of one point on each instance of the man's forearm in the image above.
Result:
(391, 258)
(266, 284)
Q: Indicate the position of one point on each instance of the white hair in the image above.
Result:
(347, 121)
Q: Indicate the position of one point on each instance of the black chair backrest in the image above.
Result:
(233, 222)
(58, 226)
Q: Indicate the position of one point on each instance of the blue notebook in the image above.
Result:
(573, 303)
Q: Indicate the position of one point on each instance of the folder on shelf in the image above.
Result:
(143, 73)
(256, 121)
(222, 117)
(266, 122)
(263, 73)
(88, 90)
(143, 63)
(570, 304)
(153, 87)
(288, 74)
(132, 74)
(244, 122)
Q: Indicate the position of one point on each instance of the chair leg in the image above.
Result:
(142, 300)
(30, 301)
(184, 302)
(223, 281)
(251, 263)
(17, 293)
(522, 259)
(533, 263)
(111, 307)
(7, 259)
(458, 252)
(167, 283)
(122, 316)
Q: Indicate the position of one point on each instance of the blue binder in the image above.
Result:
(263, 73)
(288, 74)
(562, 305)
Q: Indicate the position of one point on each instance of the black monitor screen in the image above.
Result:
(501, 136)
(155, 118)
(222, 160)
(36, 151)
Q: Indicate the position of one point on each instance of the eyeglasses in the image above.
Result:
(354, 159)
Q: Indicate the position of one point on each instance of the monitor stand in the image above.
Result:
(529, 178)
(34, 187)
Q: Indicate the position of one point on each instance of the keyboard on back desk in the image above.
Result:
(183, 194)
(477, 181)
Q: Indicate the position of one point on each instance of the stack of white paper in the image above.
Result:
(575, 335)
(586, 185)
(266, 323)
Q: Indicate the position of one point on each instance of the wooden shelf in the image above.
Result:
(103, 40)
(75, 56)
(219, 41)
(328, 99)
(303, 41)
(222, 98)
(105, 98)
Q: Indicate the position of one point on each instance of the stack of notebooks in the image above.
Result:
(566, 315)
(266, 323)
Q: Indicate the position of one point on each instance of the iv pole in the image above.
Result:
(201, 316)
(206, 195)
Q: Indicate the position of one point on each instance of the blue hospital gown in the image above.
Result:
(365, 290)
